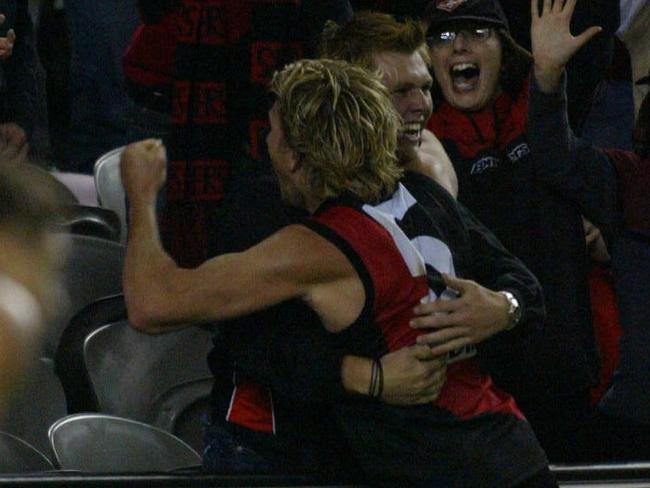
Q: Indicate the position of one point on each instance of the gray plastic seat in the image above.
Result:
(93, 270)
(110, 191)
(18, 456)
(37, 402)
(99, 443)
(130, 371)
(181, 410)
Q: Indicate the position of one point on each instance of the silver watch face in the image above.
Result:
(514, 309)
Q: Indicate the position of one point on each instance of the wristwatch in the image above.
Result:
(514, 310)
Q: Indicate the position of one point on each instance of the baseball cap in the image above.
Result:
(441, 12)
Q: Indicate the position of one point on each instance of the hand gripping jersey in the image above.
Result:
(473, 435)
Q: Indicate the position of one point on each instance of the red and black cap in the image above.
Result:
(443, 12)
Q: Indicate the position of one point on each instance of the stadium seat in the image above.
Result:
(93, 270)
(18, 456)
(107, 366)
(99, 443)
(37, 402)
(91, 221)
(108, 183)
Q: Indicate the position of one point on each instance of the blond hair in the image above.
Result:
(368, 33)
(339, 120)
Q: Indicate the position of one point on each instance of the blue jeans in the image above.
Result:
(226, 452)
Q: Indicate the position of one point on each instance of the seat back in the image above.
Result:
(38, 401)
(100, 443)
(182, 409)
(107, 366)
(110, 191)
(18, 456)
(91, 221)
(93, 270)
(130, 371)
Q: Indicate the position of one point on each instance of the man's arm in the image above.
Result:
(480, 314)
(568, 166)
(293, 355)
(293, 263)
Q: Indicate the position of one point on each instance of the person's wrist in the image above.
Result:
(356, 374)
(548, 77)
(513, 311)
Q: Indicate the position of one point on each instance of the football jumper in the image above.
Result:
(473, 434)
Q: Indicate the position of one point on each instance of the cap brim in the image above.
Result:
(466, 18)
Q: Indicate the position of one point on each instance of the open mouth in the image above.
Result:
(464, 76)
(411, 131)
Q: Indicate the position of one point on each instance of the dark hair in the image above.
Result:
(516, 63)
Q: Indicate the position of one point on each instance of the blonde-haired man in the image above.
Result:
(332, 144)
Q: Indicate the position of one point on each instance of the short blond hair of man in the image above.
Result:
(368, 33)
(339, 120)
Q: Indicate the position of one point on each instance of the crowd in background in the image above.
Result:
(542, 138)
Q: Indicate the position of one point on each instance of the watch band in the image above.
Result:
(514, 310)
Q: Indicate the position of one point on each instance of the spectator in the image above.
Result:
(309, 264)
(626, 425)
(53, 48)
(376, 42)
(634, 32)
(533, 203)
(301, 365)
(98, 33)
(225, 56)
(149, 69)
(17, 74)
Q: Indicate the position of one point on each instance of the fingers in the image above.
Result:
(441, 336)
(534, 10)
(11, 36)
(447, 347)
(422, 352)
(547, 7)
(457, 284)
(569, 7)
(584, 38)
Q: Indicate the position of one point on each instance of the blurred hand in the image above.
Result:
(143, 169)
(412, 375)
(478, 313)
(6, 43)
(13, 142)
(553, 45)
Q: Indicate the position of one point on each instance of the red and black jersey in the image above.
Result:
(288, 349)
(464, 436)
